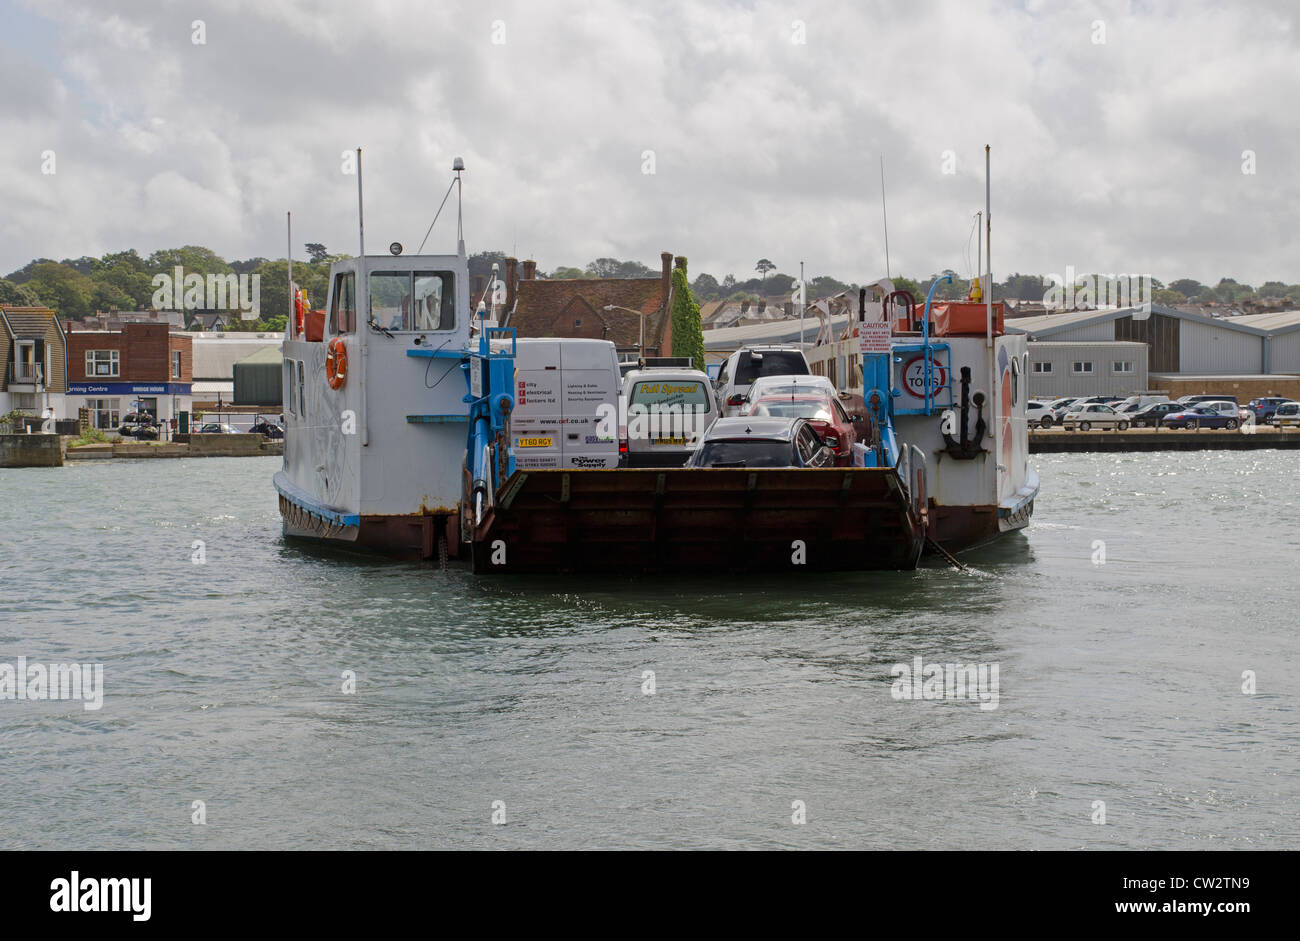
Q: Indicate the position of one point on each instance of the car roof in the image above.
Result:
(776, 429)
(812, 381)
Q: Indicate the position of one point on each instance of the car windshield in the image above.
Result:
(755, 452)
(770, 363)
(816, 409)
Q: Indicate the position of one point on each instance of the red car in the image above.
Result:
(824, 412)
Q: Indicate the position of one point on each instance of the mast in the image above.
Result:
(363, 297)
(288, 216)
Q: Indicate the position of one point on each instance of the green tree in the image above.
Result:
(705, 287)
(1188, 288)
(763, 267)
(318, 252)
(17, 295)
(193, 258)
(63, 288)
(566, 274)
(688, 332)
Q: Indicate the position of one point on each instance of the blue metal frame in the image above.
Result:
(927, 349)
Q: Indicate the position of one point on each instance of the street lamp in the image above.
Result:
(639, 314)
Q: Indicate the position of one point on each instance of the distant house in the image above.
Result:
(33, 360)
(577, 307)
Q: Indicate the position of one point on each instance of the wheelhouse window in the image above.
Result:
(343, 308)
(413, 300)
(1083, 368)
(103, 363)
(302, 384)
(290, 388)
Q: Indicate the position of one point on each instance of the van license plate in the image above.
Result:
(677, 441)
(534, 442)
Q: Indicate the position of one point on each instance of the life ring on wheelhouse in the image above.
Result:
(336, 363)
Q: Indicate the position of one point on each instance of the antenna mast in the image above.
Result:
(884, 216)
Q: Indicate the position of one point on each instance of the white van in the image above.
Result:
(667, 410)
(749, 363)
(566, 404)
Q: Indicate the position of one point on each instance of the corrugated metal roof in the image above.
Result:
(1052, 323)
(1273, 321)
(778, 331)
(267, 354)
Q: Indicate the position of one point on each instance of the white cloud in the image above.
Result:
(1122, 155)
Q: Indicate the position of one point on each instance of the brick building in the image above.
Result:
(144, 366)
(576, 307)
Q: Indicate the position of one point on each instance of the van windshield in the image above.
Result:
(669, 393)
(771, 363)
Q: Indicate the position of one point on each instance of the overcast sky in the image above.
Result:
(1118, 131)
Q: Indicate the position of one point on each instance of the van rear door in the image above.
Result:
(591, 383)
(538, 416)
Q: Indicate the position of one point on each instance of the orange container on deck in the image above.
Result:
(315, 323)
(957, 319)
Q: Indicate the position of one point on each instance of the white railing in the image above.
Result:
(25, 372)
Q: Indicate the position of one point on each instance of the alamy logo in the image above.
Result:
(76, 894)
(1100, 290)
(59, 681)
(181, 291)
(918, 680)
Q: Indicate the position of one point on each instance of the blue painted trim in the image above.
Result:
(301, 498)
(437, 354)
(435, 419)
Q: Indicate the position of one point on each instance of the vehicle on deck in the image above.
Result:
(1153, 415)
(1095, 415)
(1287, 415)
(753, 362)
(762, 442)
(563, 389)
(1220, 414)
(668, 411)
(823, 411)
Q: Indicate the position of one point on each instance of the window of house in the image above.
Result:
(105, 414)
(343, 308)
(176, 364)
(1083, 368)
(103, 363)
(1043, 369)
(577, 324)
(24, 400)
(1123, 366)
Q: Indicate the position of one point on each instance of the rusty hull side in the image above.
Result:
(689, 519)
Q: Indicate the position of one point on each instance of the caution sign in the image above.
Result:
(873, 337)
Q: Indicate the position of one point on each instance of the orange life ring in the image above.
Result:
(336, 363)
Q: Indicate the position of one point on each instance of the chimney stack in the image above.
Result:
(530, 270)
(511, 265)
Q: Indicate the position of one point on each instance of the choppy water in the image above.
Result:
(1118, 682)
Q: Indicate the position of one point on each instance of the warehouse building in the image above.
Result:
(1187, 352)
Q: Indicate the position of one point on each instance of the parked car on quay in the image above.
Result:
(1136, 403)
(753, 362)
(1263, 408)
(1221, 414)
(269, 429)
(216, 428)
(820, 408)
(668, 409)
(1059, 407)
(1193, 399)
(1153, 415)
(1287, 415)
(1038, 414)
(1094, 415)
(762, 442)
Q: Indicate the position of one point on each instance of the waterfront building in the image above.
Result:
(33, 357)
(141, 367)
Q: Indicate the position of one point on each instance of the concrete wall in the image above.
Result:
(31, 451)
(1104, 379)
(1244, 388)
